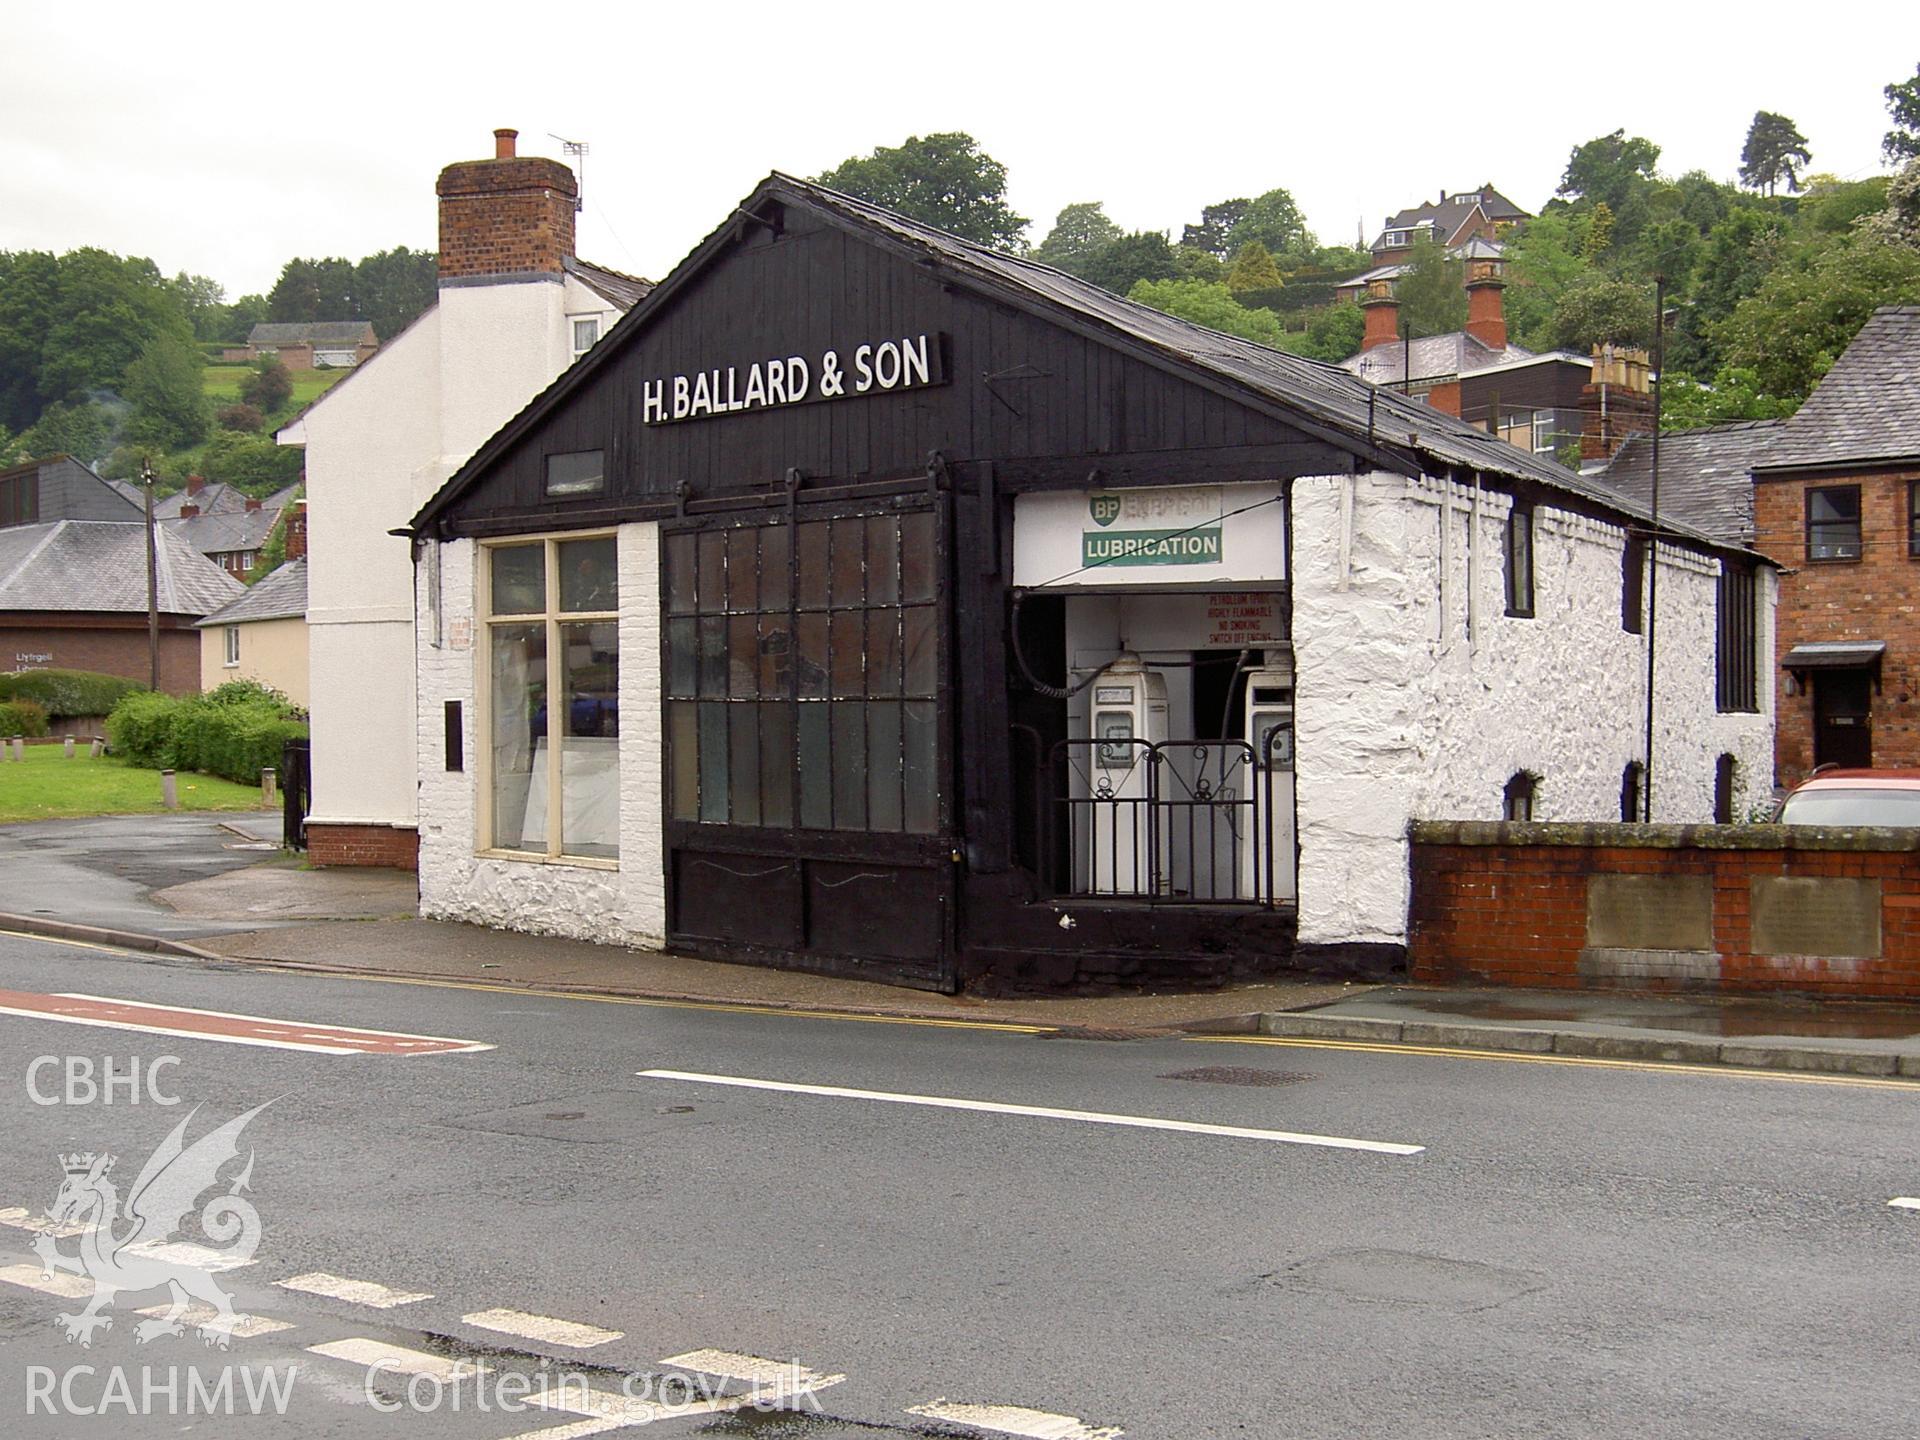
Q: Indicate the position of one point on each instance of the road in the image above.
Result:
(1532, 1247)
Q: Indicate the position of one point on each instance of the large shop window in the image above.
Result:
(553, 650)
(802, 664)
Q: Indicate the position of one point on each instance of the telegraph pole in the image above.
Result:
(1653, 541)
(153, 583)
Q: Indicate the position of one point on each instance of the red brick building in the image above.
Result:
(1837, 501)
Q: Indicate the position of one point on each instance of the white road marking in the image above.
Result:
(1905, 1202)
(394, 1359)
(199, 1316)
(194, 1257)
(571, 1333)
(1016, 1420)
(22, 1219)
(995, 1107)
(32, 1277)
(572, 1430)
(313, 1037)
(788, 1377)
(358, 1292)
(613, 1411)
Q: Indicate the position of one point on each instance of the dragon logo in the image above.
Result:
(170, 1184)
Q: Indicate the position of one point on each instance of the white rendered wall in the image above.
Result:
(625, 906)
(1402, 714)
(379, 446)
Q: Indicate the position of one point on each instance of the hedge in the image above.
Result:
(69, 692)
(22, 717)
(236, 731)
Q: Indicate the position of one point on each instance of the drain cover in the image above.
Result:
(1240, 1075)
(1100, 1032)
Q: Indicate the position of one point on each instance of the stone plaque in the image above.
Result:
(1815, 915)
(1650, 912)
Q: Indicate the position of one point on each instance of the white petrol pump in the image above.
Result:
(1269, 731)
(1129, 707)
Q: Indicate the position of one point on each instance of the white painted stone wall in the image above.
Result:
(1418, 696)
(379, 446)
(623, 906)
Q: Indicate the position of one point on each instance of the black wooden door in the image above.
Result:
(808, 747)
(1843, 719)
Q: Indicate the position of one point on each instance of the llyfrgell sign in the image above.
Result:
(868, 368)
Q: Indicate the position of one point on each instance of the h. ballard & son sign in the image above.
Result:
(866, 369)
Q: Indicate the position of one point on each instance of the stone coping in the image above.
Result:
(1616, 835)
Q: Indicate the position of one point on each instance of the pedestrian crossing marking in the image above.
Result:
(570, 1333)
(357, 1292)
(32, 1277)
(205, 1317)
(1016, 1420)
(786, 1377)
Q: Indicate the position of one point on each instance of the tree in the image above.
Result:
(252, 463)
(392, 287)
(1209, 305)
(1899, 222)
(242, 315)
(1598, 309)
(1735, 394)
(1078, 231)
(1902, 142)
(1254, 280)
(1775, 151)
(1275, 221)
(1212, 235)
(944, 180)
(240, 416)
(1611, 168)
(269, 386)
(163, 384)
(82, 430)
(1544, 257)
(204, 302)
(1432, 292)
(314, 290)
(1792, 328)
(1332, 334)
(1121, 264)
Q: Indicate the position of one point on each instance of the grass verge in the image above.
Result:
(48, 786)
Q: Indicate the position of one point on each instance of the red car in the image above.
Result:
(1854, 797)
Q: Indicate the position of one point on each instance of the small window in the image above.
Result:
(1631, 802)
(1519, 548)
(1833, 523)
(1913, 517)
(586, 334)
(1517, 804)
(1633, 585)
(583, 472)
(1543, 436)
(1725, 772)
(1736, 641)
(233, 645)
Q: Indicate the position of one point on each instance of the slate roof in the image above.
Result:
(280, 596)
(101, 565)
(1322, 400)
(1434, 356)
(215, 498)
(1450, 212)
(225, 533)
(1868, 406)
(1705, 474)
(625, 291)
(313, 332)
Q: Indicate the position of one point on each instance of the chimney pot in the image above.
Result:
(195, 484)
(503, 148)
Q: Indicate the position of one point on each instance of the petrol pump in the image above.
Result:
(1269, 731)
(1129, 707)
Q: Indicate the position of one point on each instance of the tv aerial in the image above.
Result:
(575, 150)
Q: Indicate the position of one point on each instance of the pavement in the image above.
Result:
(197, 886)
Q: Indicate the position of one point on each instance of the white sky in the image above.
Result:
(223, 139)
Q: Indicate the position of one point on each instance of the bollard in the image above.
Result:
(99, 744)
(19, 747)
(69, 747)
(169, 795)
(267, 780)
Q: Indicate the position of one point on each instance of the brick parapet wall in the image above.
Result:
(1512, 904)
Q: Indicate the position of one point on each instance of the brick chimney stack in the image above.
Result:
(1486, 310)
(296, 522)
(505, 218)
(1382, 310)
(195, 484)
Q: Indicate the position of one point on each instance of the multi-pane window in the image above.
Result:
(1833, 523)
(802, 668)
(1519, 554)
(20, 499)
(233, 644)
(553, 703)
(1736, 666)
(1633, 585)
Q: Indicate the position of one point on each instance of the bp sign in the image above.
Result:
(1105, 509)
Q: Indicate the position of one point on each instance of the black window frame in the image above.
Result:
(1814, 527)
(1522, 790)
(1913, 519)
(1633, 585)
(1726, 775)
(1517, 549)
(1736, 639)
(1633, 796)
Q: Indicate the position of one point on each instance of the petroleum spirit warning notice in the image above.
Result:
(1243, 618)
